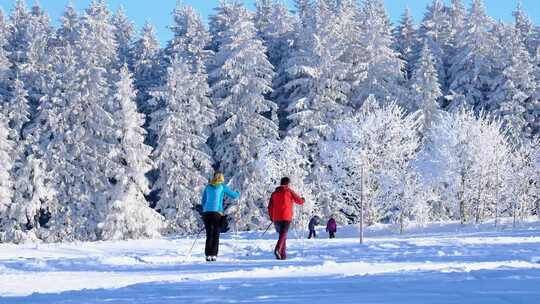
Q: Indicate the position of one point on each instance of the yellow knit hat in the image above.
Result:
(217, 179)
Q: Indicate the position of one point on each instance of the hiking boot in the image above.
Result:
(277, 254)
(213, 258)
(209, 259)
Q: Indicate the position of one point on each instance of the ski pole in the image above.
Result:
(266, 230)
(194, 242)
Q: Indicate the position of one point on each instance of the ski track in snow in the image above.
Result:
(442, 263)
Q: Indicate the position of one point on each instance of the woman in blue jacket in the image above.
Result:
(212, 203)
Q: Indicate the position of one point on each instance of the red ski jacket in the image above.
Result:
(280, 207)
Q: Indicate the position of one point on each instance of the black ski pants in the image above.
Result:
(212, 224)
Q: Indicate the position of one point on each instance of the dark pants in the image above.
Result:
(212, 224)
(332, 234)
(312, 233)
(282, 227)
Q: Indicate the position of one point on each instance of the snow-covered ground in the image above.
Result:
(442, 263)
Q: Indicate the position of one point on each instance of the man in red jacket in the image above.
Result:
(280, 210)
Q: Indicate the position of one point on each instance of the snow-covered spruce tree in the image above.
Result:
(515, 86)
(6, 182)
(68, 31)
(371, 154)
(191, 39)
(145, 66)
(124, 30)
(182, 156)
(384, 77)
(525, 29)
(471, 73)
(16, 109)
(435, 31)
(5, 64)
(28, 43)
(406, 42)
(275, 26)
(425, 89)
(129, 215)
(278, 37)
(319, 87)
(472, 154)
(87, 168)
(241, 78)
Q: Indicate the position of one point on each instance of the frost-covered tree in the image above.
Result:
(425, 88)
(124, 30)
(145, 66)
(406, 42)
(471, 72)
(521, 197)
(241, 79)
(182, 157)
(129, 215)
(471, 153)
(516, 84)
(384, 68)
(371, 155)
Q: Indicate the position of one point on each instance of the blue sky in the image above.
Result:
(158, 11)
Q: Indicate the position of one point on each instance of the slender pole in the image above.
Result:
(361, 226)
(193, 245)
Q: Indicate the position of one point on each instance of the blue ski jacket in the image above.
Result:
(212, 198)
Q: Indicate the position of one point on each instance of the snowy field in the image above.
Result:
(442, 263)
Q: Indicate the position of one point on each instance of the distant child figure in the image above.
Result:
(331, 227)
(315, 220)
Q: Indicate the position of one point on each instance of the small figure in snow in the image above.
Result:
(212, 203)
(280, 210)
(331, 227)
(312, 224)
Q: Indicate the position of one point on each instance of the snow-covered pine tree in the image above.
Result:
(129, 215)
(384, 77)
(275, 26)
(241, 79)
(191, 38)
(145, 66)
(525, 29)
(16, 109)
(69, 25)
(406, 42)
(124, 30)
(5, 64)
(6, 182)
(182, 157)
(28, 44)
(318, 83)
(425, 89)
(435, 30)
(516, 84)
(471, 73)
